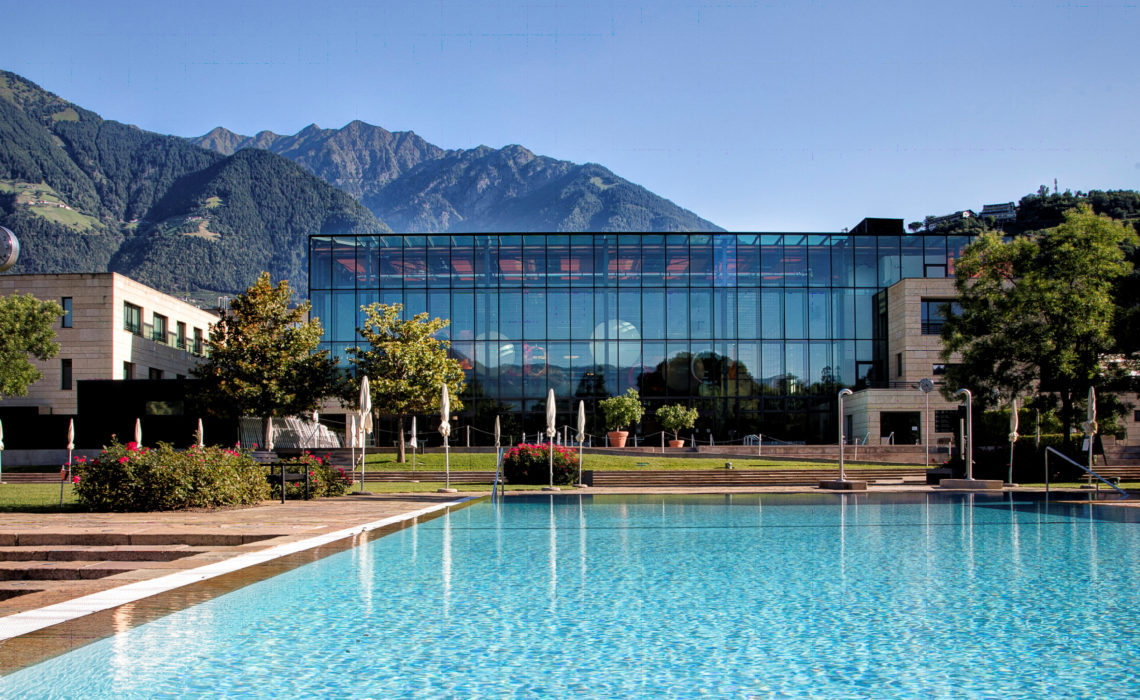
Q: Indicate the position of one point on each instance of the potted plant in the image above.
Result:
(621, 412)
(676, 418)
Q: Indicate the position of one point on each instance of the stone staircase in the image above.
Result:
(36, 562)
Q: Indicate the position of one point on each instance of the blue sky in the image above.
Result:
(801, 116)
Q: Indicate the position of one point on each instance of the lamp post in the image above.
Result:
(842, 393)
(968, 438)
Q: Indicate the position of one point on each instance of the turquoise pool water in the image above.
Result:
(822, 595)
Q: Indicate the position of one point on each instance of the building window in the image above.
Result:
(944, 421)
(938, 368)
(159, 334)
(154, 373)
(132, 318)
(1136, 416)
(128, 370)
(934, 314)
(197, 341)
(898, 365)
(65, 321)
(181, 335)
(65, 375)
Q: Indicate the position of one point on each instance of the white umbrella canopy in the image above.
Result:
(269, 433)
(498, 433)
(444, 413)
(1090, 425)
(350, 434)
(1, 435)
(138, 430)
(201, 439)
(1013, 420)
(365, 406)
(581, 436)
(71, 434)
(551, 414)
(412, 441)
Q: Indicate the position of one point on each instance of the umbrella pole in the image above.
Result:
(579, 462)
(1010, 480)
(446, 463)
(551, 453)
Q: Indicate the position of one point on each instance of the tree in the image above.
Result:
(622, 410)
(406, 364)
(677, 417)
(263, 358)
(1037, 311)
(25, 330)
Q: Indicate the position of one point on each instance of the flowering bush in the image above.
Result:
(530, 464)
(325, 479)
(133, 478)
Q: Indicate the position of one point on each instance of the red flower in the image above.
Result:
(124, 459)
(75, 479)
(82, 460)
(132, 446)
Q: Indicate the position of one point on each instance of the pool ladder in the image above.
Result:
(1122, 492)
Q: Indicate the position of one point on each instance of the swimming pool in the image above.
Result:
(615, 596)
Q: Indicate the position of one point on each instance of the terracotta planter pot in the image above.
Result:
(676, 443)
(618, 437)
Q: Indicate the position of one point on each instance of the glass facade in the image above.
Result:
(758, 331)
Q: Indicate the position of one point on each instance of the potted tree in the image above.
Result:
(676, 417)
(621, 412)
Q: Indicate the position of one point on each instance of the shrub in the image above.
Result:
(530, 464)
(325, 479)
(676, 417)
(622, 410)
(134, 478)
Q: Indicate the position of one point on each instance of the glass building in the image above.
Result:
(758, 331)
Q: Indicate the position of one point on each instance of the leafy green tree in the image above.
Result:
(622, 410)
(263, 358)
(25, 330)
(677, 417)
(406, 364)
(1037, 311)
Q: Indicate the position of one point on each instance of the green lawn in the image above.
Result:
(486, 462)
(22, 498)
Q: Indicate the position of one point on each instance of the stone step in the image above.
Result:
(69, 571)
(109, 539)
(117, 553)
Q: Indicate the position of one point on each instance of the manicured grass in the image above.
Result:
(35, 498)
(486, 462)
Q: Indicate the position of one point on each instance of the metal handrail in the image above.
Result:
(1123, 493)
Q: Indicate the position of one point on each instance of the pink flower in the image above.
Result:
(124, 460)
(75, 479)
(132, 446)
(82, 460)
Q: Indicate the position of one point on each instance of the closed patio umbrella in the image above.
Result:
(70, 443)
(1090, 426)
(365, 422)
(138, 431)
(412, 442)
(201, 439)
(498, 433)
(269, 433)
(551, 429)
(1, 451)
(581, 436)
(445, 431)
(1012, 434)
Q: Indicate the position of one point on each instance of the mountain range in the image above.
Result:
(416, 186)
(203, 216)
